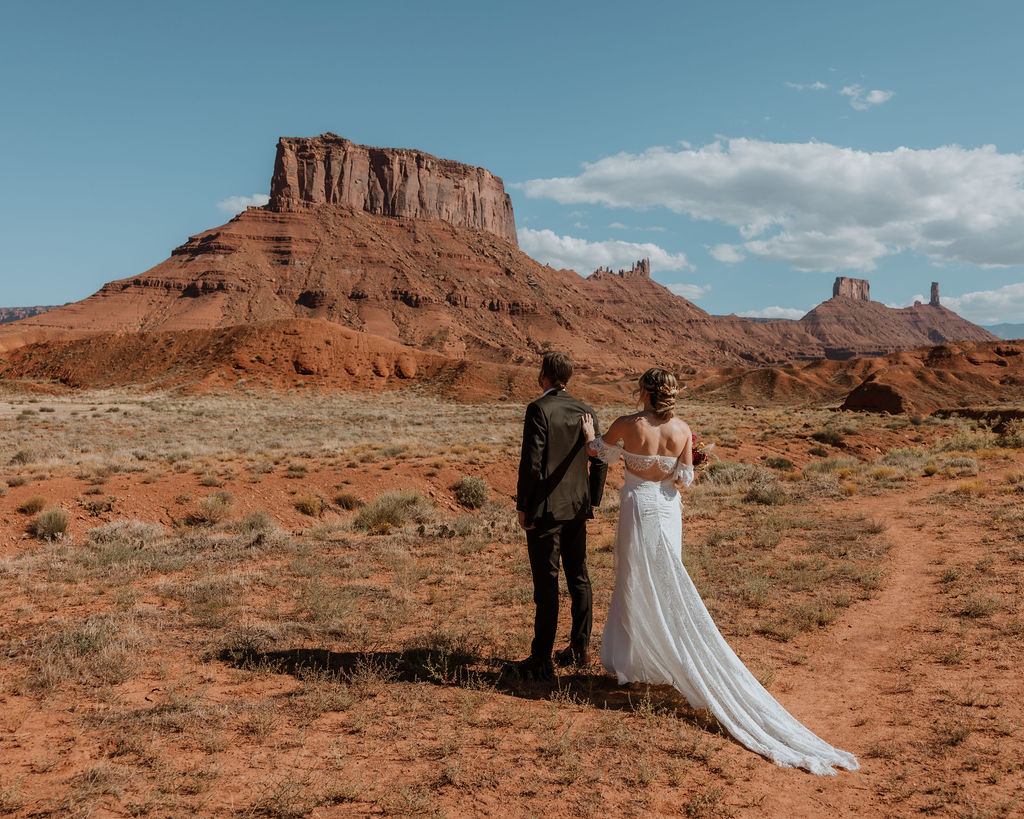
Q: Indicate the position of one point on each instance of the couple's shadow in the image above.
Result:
(464, 669)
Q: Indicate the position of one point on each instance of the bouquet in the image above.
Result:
(702, 455)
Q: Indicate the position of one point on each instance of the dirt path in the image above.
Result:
(863, 687)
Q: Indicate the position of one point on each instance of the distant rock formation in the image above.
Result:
(18, 313)
(640, 270)
(329, 169)
(851, 288)
(422, 251)
(850, 325)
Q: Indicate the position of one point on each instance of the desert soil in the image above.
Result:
(170, 654)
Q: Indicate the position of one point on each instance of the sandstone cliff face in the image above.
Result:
(389, 182)
(852, 288)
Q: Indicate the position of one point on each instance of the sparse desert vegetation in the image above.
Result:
(299, 604)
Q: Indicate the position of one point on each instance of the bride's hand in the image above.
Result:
(588, 427)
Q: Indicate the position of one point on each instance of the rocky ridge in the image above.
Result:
(402, 245)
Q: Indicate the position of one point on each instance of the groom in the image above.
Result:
(559, 485)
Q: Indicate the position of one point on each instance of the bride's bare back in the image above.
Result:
(644, 433)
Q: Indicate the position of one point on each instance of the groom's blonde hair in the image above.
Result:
(557, 368)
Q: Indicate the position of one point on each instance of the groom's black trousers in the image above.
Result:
(547, 543)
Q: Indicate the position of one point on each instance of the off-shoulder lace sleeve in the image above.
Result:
(684, 473)
(609, 453)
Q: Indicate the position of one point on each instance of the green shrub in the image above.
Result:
(392, 509)
(1012, 436)
(818, 450)
(828, 435)
(32, 505)
(50, 525)
(472, 492)
(774, 462)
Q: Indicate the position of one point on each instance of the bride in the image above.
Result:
(658, 629)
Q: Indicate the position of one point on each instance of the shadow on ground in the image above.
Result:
(468, 670)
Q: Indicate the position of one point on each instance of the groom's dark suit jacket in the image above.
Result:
(558, 480)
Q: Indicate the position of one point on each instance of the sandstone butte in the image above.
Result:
(420, 251)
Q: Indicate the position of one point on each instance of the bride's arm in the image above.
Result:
(600, 446)
(684, 468)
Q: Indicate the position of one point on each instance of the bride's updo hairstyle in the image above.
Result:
(661, 387)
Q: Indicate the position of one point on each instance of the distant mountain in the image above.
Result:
(422, 251)
(1005, 330)
(8, 314)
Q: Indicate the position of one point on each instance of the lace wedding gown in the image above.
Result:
(660, 632)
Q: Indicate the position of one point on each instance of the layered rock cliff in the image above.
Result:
(421, 251)
(329, 169)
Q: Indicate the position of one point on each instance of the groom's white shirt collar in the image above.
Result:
(553, 389)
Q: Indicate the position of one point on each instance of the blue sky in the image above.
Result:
(753, 150)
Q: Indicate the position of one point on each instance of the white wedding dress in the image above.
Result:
(660, 632)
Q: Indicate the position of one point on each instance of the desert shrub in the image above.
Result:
(3, 489)
(103, 648)
(1012, 436)
(768, 494)
(392, 509)
(50, 525)
(820, 451)
(911, 457)
(731, 473)
(961, 467)
(967, 440)
(347, 501)
(309, 505)
(774, 462)
(253, 523)
(32, 505)
(133, 532)
(835, 464)
(472, 492)
(23, 456)
(210, 480)
(828, 435)
(213, 508)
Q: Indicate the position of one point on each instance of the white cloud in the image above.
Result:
(813, 86)
(817, 206)
(585, 257)
(989, 306)
(729, 254)
(775, 312)
(689, 291)
(236, 204)
(862, 100)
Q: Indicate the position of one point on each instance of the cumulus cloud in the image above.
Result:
(775, 312)
(816, 206)
(812, 86)
(689, 291)
(236, 204)
(862, 100)
(585, 257)
(990, 306)
(729, 254)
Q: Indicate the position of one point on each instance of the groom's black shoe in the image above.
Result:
(573, 655)
(534, 668)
